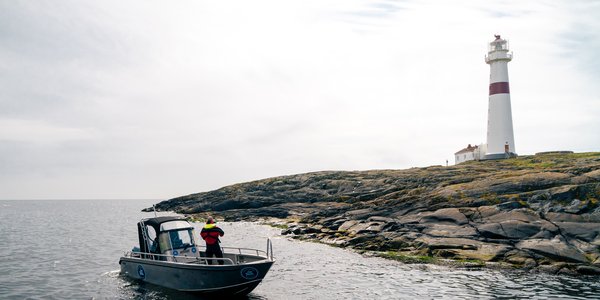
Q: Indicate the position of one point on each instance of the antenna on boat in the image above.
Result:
(154, 208)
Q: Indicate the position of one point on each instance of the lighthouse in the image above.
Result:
(500, 137)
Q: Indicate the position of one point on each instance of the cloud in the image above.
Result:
(39, 132)
(145, 99)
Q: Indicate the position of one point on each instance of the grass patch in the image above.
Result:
(491, 198)
(408, 259)
(471, 262)
(280, 226)
(532, 163)
(195, 219)
(584, 155)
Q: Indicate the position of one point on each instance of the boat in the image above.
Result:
(168, 256)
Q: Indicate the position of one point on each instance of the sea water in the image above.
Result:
(70, 250)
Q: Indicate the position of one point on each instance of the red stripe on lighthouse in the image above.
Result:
(499, 88)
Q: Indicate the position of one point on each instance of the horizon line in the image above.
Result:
(80, 199)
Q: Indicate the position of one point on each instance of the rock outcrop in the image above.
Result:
(539, 212)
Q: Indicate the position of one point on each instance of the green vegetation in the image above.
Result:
(532, 162)
(280, 226)
(195, 219)
(471, 262)
(491, 198)
(549, 160)
(578, 155)
(406, 258)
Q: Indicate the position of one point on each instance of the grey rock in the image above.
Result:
(595, 175)
(511, 205)
(520, 257)
(347, 225)
(445, 215)
(334, 241)
(563, 217)
(395, 241)
(544, 234)
(484, 252)
(410, 219)
(381, 219)
(575, 206)
(333, 223)
(583, 231)
(358, 227)
(563, 193)
(478, 214)
(359, 213)
(522, 214)
(509, 230)
(588, 270)
(448, 243)
(372, 227)
(440, 230)
(554, 249)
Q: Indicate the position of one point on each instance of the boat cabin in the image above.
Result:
(168, 236)
(172, 239)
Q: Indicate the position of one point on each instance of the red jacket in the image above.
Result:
(211, 233)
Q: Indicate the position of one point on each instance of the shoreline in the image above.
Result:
(420, 256)
(412, 256)
(537, 212)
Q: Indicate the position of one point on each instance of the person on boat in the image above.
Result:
(211, 233)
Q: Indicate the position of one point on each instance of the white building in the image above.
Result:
(469, 153)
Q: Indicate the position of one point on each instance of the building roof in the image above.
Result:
(467, 150)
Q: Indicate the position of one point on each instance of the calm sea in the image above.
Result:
(71, 249)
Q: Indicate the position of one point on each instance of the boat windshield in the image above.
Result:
(176, 239)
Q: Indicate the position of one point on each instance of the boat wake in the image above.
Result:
(111, 274)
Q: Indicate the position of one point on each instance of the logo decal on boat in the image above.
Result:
(249, 273)
(175, 252)
(141, 271)
(193, 249)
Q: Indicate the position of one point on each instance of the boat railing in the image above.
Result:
(244, 251)
(187, 259)
(236, 250)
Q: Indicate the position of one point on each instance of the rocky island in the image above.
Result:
(538, 212)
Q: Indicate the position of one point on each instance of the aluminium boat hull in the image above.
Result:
(238, 279)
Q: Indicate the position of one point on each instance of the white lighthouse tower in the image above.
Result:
(500, 137)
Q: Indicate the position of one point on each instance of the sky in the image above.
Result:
(153, 99)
